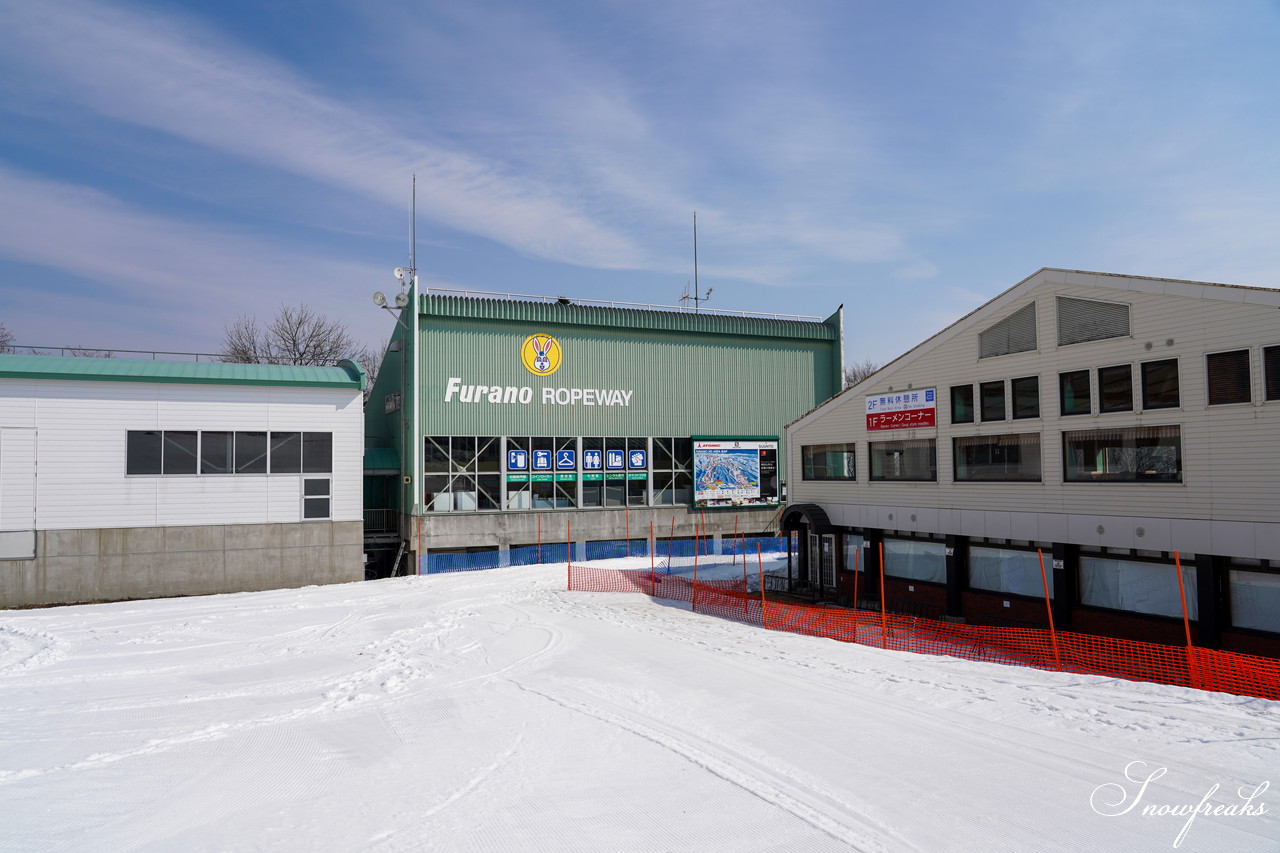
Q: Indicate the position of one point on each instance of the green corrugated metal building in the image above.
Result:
(478, 381)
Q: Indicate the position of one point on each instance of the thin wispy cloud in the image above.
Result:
(191, 83)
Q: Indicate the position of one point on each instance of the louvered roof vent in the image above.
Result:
(1081, 320)
(1015, 333)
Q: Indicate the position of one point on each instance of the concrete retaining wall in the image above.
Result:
(79, 566)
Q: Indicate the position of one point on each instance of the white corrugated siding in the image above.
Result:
(1231, 465)
(81, 451)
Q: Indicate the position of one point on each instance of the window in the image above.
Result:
(315, 498)
(912, 459)
(1015, 333)
(1227, 375)
(962, 404)
(251, 453)
(1005, 570)
(828, 462)
(217, 452)
(916, 560)
(592, 473)
(1073, 390)
(997, 458)
(460, 473)
(143, 449)
(1026, 397)
(1160, 384)
(672, 467)
(1083, 320)
(286, 453)
(992, 400)
(1255, 600)
(1271, 372)
(180, 454)
(1139, 587)
(1123, 455)
(1115, 388)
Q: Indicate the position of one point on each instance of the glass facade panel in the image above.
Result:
(1073, 391)
(1026, 397)
(1227, 374)
(1123, 455)
(922, 561)
(217, 452)
(992, 401)
(1115, 388)
(997, 458)
(180, 451)
(1005, 570)
(1255, 600)
(143, 449)
(911, 459)
(251, 453)
(286, 452)
(1139, 587)
(1160, 384)
(962, 404)
(828, 461)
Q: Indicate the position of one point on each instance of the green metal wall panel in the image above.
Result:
(678, 382)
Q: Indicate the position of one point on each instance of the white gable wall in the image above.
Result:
(1231, 453)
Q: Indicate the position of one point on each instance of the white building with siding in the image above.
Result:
(1108, 421)
(128, 479)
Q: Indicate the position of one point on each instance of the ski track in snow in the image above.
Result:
(461, 689)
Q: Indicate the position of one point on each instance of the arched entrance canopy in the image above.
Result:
(798, 515)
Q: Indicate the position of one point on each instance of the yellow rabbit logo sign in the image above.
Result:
(541, 355)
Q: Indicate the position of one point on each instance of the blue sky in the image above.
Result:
(166, 167)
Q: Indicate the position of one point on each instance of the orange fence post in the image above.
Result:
(653, 576)
(568, 540)
(1053, 634)
(1186, 621)
(735, 551)
(764, 610)
(539, 538)
(884, 627)
(627, 515)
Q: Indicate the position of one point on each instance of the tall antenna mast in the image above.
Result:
(697, 298)
(413, 227)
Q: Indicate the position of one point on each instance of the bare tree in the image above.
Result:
(855, 373)
(6, 339)
(370, 359)
(295, 336)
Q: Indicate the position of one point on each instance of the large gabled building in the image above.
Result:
(497, 423)
(1118, 424)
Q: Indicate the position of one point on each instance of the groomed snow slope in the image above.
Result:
(496, 711)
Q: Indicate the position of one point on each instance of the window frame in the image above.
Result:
(1066, 376)
(809, 471)
(973, 412)
(1034, 383)
(1210, 372)
(1147, 366)
(907, 444)
(995, 441)
(1103, 408)
(1101, 433)
(993, 385)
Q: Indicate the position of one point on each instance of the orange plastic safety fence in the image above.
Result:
(1205, 669)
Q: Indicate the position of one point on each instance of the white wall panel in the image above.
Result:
(81, 480)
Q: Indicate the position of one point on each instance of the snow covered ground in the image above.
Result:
(496, 711)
